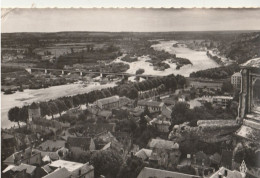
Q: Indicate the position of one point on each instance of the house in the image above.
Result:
(236, 80)
(79, 145)
(161, 124)
(153, 106)
(34, 112)
(147, 172)
(9, 145)
(27, 156)
(164, 153)
(93, 129)
(144, 154)
(51, 145)
(108, 103)
(59, 173)
(222, 101)
(167, 112)
(226, 173)
(19, 171)
(77, 170)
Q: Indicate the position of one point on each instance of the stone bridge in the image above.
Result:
(85, 72)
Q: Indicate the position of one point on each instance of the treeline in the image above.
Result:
(217, 73)
(129, 90)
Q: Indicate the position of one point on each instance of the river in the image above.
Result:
(28, 96)
(199, 59)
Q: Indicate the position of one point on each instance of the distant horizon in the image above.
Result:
(129, 20)
(134, 31)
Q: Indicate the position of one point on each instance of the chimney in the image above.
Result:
(79, 172)
(225, 173)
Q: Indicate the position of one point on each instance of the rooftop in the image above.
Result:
(59, 173)
(107, 100)
(69, 165)
(150, 103)
(237, 74)
(252, 63)
(230, 174)
(143, 153)
(147, 172)
(29, 168)
(83, 142)
(165, 144)
(52, 145)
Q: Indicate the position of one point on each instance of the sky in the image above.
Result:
(138, 20)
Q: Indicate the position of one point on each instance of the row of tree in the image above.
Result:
(129, 90)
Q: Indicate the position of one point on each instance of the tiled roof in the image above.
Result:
(108, 100)
(29, 168)
(59, 173)
(165, 144)
(150, 103)
(52, 145)
(34, 106)
(83, 142)
(143, 153)
(147, 172)
(230, 174)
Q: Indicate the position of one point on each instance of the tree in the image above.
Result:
(45, 109)
(106, 162)
(14, 115)
(227, 87)
(61, 106)
(179, 112)
(133, 93)
(23, 114)
(142, 122)
(132, 168)
(53, 108)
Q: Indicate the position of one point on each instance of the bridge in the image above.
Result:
(85, 72)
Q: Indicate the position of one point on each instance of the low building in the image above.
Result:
(27, 156)
(153, 106)
(51, 145)
(79, 145)
(226, 173)
(144, 154)
(147, 172)
(74, 169)
(161, 124)
(19, 171)
(9, 145)
(34, 112)
(222, 101)
(164, 153)
(236, 79)
(108, 103)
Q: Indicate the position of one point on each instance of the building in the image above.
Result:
(73, 169)
(108, 103)
(19, 171)
(9, 145)
(164, 153)
(153, 106)
(147, 172)
(34, 112)
(161, 124)
(222, 101)
(51, 145)
(27, 156)
(144, 154)
(226, 173)
(236, 80)
(249, 105)
(79, 145)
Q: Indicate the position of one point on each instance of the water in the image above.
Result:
(199, 59)
(28, 96)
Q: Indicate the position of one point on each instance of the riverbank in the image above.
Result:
(28, 96)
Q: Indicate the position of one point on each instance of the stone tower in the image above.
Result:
(34, 112)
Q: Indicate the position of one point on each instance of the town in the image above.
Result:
(141, 130)
(130, 93)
